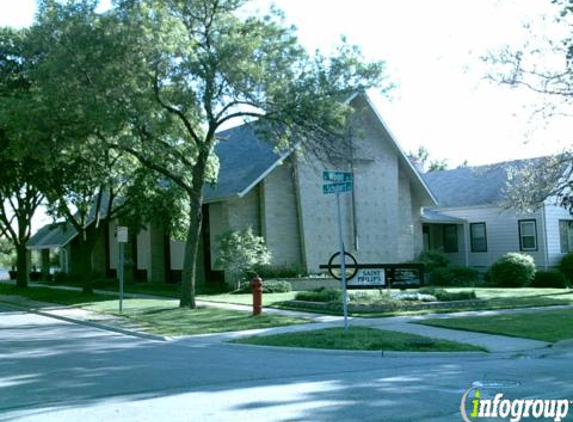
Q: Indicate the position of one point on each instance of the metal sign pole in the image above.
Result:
(120, 274)
(342, 263)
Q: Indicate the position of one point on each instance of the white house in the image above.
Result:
(473, 228)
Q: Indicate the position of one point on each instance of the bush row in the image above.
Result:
(509, 270)
(270, 286)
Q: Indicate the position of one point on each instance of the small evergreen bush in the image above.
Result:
(321, 294)
(512, 270)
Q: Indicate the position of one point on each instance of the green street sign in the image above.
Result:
(337, 188)
(336, 176)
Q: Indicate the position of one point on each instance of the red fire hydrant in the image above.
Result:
(257, 289)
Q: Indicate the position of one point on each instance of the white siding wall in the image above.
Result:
(502, 233)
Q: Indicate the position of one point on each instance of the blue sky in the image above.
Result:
(432, 50)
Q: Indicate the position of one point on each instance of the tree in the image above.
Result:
(21, 174)
(544, 66)
(421, 158)
(181, 70)
(92, 184)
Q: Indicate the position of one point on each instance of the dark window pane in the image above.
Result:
(478, 237)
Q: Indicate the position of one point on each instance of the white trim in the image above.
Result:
(467, 243)
(39, 248)
(265, 173)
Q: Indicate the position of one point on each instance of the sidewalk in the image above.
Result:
(405, 324)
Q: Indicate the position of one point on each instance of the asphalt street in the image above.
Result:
(52, 370)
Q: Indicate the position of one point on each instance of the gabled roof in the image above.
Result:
(244, 160)
(472, 186)
(54, 235)
(58, 235)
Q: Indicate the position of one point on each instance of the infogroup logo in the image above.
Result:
(474, 406)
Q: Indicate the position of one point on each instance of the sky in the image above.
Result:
(433, 52)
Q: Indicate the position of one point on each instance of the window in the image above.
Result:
(566, 235)
(451, 238)
(527, 235)
(478, 237)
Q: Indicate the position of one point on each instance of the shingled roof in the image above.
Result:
(52, 236)
(244, 159)
(471, 186)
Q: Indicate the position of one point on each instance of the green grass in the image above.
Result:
(166, 318)
(358, 338)
(247, 299)
(44, 294)
(550, 326)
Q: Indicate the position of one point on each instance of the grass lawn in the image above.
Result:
(550, 326)
(44, 294)
(247, 299)
(358, 338)
(166, 318)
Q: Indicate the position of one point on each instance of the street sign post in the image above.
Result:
(122, 238)
(341, 182)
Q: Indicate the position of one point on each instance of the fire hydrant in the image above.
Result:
(257, 289)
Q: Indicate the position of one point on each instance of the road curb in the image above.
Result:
(372, 353)
(91, 324)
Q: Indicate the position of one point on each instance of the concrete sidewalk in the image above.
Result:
(405, 324)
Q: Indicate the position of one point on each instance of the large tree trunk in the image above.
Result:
(190, 260)
(86, 243)
(85, 259)
(22, 266)
(192, 241)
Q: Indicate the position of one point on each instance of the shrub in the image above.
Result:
(240, 251)
(274, 271)
(567, 266)
(549, 279)
(454, 276)
(445, 296)
(433, 260)
(321, 294)
(270, 286)
(512, 270)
